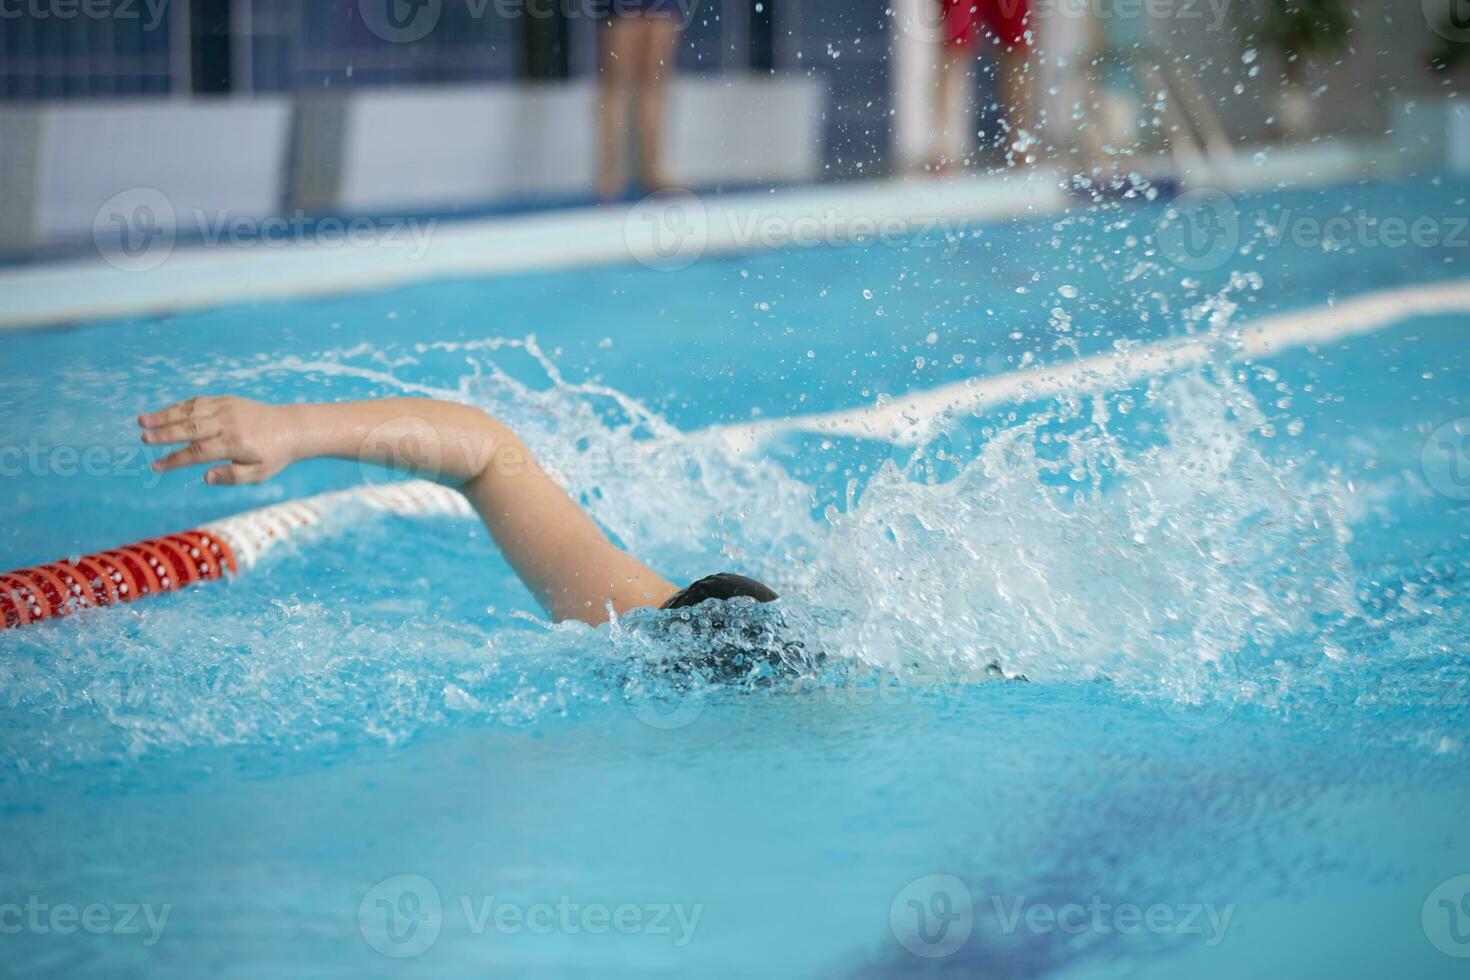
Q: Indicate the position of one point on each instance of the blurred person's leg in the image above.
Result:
(1008, 24)
(949, 96)
(659, 40)
(620, 43)
(1015, 71)
(959, 32)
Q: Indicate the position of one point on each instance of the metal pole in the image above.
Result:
(180, 49)
(242, 47)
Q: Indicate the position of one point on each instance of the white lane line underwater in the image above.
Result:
(909, 420)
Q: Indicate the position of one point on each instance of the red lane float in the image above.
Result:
(29, 595)
(173, 561)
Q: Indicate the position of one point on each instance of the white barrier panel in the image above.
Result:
(429, 148)
(208, 157)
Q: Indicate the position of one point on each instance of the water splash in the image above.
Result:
(1068, 550)
(1147, 537)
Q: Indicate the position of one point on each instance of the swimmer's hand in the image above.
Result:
(555, 547)
(258, 440)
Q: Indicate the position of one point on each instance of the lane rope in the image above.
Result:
(909, 419)
(205, 553)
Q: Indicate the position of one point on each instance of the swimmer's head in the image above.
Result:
(725, 585)
(727, 638)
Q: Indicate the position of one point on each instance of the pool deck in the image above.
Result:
(177, 277)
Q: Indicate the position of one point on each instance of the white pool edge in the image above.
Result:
(198, 277)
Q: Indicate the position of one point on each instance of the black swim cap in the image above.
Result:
(731, 643)
(725, 585)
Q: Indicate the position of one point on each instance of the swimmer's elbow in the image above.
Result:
(489, 452)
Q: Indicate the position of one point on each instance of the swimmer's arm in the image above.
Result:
(558, 551)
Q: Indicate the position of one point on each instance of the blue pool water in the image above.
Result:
(1238, 594)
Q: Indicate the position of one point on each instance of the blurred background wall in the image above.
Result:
(265, 105)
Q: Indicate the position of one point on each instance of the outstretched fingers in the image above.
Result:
(243, 435)
(207, 450)
(193, 408)
(188, 430)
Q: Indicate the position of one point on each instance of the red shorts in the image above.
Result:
(1002, 21)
